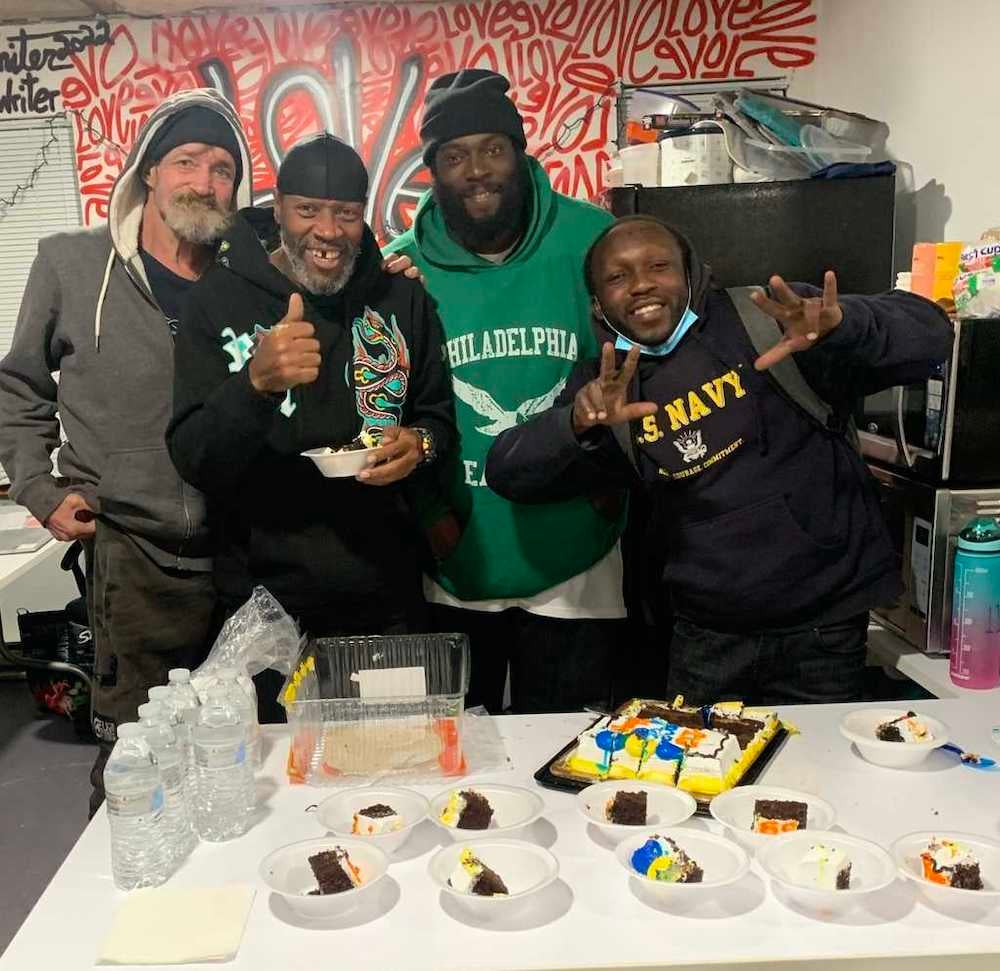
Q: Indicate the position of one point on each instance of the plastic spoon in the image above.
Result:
(970, 758)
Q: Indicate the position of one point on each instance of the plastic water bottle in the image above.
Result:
(250, 690)
(163, 696)
(179, 680)
(185, 699)
(178, 823)
(975, 612)
(247, 704)
(224, 777)
(135, 799)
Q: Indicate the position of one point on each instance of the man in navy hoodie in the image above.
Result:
(767, 524)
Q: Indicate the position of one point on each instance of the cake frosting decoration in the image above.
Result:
(773, 816)
(473, 876)
(334, 871)
(905, 728)
(703, 750)
(824, 867)
(377, 819)
(951, 864)
(467, 809)
(660, 858)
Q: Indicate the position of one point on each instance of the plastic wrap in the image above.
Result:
(977, 286)
(258, 636)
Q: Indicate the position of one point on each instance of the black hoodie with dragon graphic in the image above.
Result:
(315, 543)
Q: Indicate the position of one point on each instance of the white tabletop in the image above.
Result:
(15, 565)
(930, 671)
(590, 918)
(33, 581)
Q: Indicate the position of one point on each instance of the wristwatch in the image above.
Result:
(426, 444)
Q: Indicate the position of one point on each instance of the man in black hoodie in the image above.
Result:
(314, 345)
(768, 526)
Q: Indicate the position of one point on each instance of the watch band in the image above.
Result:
(426, 443)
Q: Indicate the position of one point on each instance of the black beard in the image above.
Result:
(478, 235)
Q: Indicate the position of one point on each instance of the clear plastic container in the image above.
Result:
(377, 705)
(783, 162)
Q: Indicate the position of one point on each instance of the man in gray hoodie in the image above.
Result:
(101, 308)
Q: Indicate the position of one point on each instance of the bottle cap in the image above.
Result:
(982, 535)
(159, 693)
(130, 730)
(150, 710)
(179, 675)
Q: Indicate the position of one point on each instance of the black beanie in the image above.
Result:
(472, 101)
(195, 124)
(323, 167)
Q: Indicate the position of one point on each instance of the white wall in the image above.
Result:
(928, 68)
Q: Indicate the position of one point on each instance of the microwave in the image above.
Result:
(945, 429)
(924, 520)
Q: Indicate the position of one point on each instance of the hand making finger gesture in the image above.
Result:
(805, 320)
(604, 401)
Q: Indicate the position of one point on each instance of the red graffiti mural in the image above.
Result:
(362, 72)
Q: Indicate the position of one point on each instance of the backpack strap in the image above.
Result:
(623, 436)
(764, 333)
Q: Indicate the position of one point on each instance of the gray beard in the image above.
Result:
(318, 284)
(196, 222)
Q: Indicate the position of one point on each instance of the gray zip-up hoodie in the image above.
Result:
(88, 314)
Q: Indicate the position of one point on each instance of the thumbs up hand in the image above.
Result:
(288, 354)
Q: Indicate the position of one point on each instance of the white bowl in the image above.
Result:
(525, 868)
(665, 807)
(339, 465)
(734, 809)
(859, 727)
(872, 869)
(336, 813)
(514, 808)
(906, 854)
(286, 871)
(722, 861)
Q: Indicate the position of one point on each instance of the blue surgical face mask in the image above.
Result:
(623, 343)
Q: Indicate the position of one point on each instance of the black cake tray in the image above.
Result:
(545, 777)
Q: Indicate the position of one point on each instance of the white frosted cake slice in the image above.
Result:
(709, 766)
(596, 749)
(824, 867)
(375, 820)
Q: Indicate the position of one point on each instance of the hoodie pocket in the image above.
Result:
(142, 493)
(750, 565)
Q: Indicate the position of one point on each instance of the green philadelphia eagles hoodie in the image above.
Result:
(513, 332)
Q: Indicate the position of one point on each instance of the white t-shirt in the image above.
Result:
(595, 594)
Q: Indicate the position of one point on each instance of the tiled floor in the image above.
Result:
(44, 788)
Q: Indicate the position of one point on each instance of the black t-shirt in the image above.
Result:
(168, 289)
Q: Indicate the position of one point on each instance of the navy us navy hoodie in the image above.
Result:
(763, 518)
(315, 543)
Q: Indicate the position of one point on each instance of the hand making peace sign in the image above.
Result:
(805, 320)
(604, 401)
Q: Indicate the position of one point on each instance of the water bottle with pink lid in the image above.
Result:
(975, 613)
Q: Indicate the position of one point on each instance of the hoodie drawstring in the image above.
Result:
(100, 300)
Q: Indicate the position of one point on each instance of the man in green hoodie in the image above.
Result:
(535, 587)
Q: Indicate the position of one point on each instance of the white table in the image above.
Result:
(590, 917)
(33, 581)
(927, 670)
